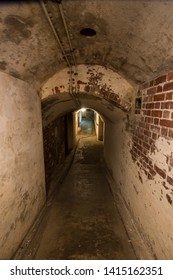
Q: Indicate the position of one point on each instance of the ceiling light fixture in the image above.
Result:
(83, 110)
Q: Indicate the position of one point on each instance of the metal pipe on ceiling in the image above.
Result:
(59, 43)
(54, 32)
(62, 50)
(68, 35)
(70, 44)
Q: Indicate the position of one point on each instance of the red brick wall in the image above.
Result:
(54, 146)
(154, 120)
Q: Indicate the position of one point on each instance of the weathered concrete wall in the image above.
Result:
(121, 41)
(54, 147)
(139, 154)
(22, 189)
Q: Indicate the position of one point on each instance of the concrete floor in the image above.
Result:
(82, 221)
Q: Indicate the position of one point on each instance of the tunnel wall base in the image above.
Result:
(22, 190)
(141, 250)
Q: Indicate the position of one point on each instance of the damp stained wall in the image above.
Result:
(139, 155)
(22, 189)
(137, 54)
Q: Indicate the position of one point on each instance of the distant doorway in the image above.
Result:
(86, 122)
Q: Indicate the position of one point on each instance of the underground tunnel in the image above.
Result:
(88, 101)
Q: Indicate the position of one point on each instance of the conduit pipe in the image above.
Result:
(70, 44)
(61, 47)
(68, 36)
(54, 32)
(62, 50)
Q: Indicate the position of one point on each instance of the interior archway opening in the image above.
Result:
(89, 122)
(61, 136)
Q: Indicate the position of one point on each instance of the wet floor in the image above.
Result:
(82, 221)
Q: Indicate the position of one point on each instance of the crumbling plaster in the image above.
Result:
(93, 83)
(96, 75)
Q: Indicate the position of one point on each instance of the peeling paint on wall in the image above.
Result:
(140, 158)
(153, 128)
(97, 81)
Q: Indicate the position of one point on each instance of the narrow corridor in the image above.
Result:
(57, 67)
(82, 221)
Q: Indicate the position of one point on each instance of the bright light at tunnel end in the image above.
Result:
(83, 109)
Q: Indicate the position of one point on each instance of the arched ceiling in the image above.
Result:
(97, 87)
(133, 37)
